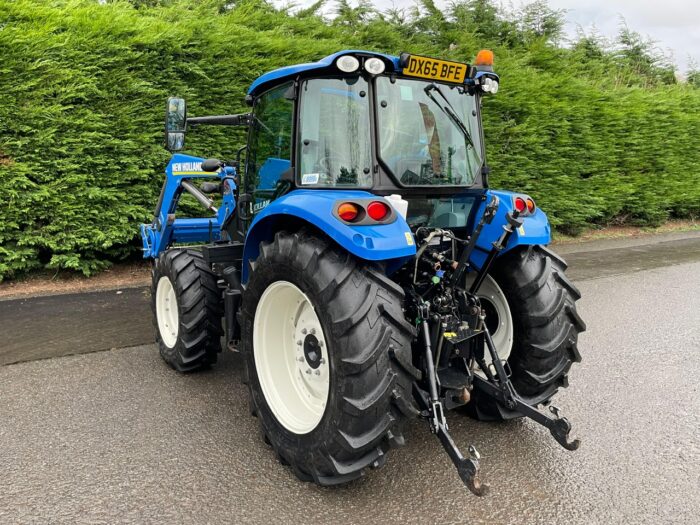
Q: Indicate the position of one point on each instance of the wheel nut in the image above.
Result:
(300, 359)
(323, 361)
(303, 331)
(312, 331)
(308, 371)
(318, 372)
(299, 343)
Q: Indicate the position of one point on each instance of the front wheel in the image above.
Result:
(539, 334)
(187, 311)
(322, 336)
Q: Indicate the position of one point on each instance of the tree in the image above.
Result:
(538, 20)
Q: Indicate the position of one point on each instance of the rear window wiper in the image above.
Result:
(449, 111)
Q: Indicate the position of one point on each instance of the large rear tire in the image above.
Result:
(542, 302)
(323, 337)
(187, 310)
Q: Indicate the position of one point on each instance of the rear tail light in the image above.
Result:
(524, 204)
(530, 205)
(348, 211)
(377, 210)
(364, 212)
(520, 204)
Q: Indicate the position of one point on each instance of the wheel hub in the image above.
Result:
(493, 321)
(312, 351)
(498, 317)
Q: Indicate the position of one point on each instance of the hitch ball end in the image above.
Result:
(469, 475)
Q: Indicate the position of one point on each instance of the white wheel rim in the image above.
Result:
(167, 312)
(291, 357)
(494, 301)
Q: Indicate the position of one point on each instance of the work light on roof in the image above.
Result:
(374, 66)
(348, 64)
(489, 85)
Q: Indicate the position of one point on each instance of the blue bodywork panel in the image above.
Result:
(270, 172)
(392, 243)
(164, 230)
(535, 228)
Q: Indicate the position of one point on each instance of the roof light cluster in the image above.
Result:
(489, 85)
(350, 64)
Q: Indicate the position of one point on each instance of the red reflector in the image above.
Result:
(520, 204)
(347, 211)
(377, 210)
(531, 206)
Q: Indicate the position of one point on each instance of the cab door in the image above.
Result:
(269, 156)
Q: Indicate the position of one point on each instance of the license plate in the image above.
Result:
(435, 69)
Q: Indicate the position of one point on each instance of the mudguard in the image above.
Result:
(391, 243)
(535, 228)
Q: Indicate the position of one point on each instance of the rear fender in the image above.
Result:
(390, 243)
(535, 228)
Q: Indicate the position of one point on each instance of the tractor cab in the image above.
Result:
(407, 125)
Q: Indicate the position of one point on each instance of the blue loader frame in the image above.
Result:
(166, 229)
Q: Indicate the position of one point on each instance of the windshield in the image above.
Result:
(428, 133)
(334, 137)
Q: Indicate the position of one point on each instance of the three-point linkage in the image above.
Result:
(458, 310)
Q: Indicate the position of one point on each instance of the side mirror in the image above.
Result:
(175, 123)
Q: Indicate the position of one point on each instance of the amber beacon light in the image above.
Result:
(484, 58)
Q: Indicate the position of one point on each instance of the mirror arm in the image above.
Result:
(242, 119)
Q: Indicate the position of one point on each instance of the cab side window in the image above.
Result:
(270, 144)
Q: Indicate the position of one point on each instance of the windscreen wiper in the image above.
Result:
(449, 111)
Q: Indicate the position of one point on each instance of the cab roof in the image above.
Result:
(328, 65)
(280, 75)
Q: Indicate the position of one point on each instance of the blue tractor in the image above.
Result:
(361, 265)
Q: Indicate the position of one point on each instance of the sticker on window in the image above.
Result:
(310, 178)
(406, 93)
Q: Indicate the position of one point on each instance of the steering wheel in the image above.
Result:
(325, 163)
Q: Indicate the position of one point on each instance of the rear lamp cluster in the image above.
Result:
(355, 213)
(524, 204)
(349, 64)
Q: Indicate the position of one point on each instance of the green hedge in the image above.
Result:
(83, 85)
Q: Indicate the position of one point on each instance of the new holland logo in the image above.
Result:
(260, 205)
(187, 167)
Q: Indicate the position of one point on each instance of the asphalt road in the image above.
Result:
(117, 437)
(75, 323)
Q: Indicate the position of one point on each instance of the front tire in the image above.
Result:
(358, 399)
(187, 310)
(542, 303)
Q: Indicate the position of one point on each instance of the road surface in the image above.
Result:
(117, 437)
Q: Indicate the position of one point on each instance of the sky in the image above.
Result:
(673, 24)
